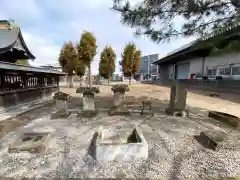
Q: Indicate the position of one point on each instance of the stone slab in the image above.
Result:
(177, 103)
(224, 117)
(32, 142)
(119, 147)
(210, 139)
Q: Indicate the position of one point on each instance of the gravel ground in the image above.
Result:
(173, 152)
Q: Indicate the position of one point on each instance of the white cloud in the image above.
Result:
(46, 52)
(46, 25)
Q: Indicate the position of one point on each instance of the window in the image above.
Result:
(214, 72)
(235, 70)
(225, 71)
(209, 72)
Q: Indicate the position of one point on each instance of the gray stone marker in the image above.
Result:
(146, 107)
(177, 104)
(61, 99)
(118, 104)
(89, 109)
(210, 139)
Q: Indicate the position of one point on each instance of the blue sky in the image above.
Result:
(47, 24)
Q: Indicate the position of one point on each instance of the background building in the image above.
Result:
(148, 71)
(56, 67)
(191, 61)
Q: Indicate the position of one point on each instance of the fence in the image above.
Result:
(229, 86)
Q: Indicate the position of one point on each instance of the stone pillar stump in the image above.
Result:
(177, 104)
(61, 99)
(89, 109)
(146, 107)
(118, 104)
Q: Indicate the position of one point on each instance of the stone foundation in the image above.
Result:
(10, 100)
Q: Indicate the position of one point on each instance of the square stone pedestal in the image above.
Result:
(89, 109)
(32, 142)
(61, 105)
(177, 104)
(120, 145)
(118, 104)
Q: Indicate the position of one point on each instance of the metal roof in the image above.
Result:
(11, 37)
(189, 47)
(10, 66)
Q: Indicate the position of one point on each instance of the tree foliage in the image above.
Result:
(80, 68)
(159, 19)
(22, 62)
(87, 48)
(130, 60)
(68, 58)
(107, 62)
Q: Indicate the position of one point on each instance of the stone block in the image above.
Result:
(61, 96)
(120, 88)
(210, 139)
(86, 89)
(32, 142)
(89, 109)
(120, 145)
(177, 104)
(61, 109)
(118, 104)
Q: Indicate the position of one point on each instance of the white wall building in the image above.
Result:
(148, 70)
(189, 60)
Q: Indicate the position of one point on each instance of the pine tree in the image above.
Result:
(159, 19)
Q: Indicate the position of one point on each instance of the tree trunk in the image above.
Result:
(130, 80)
(70, 81)
(81, 80)
(89, 76)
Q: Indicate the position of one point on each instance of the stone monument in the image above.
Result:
(61, 99)
(89, 109)
(118, 104)
(177, 104)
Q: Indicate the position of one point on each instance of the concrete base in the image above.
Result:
(60, 114)
(88, 113)
(30, 142)
(177, 112)
(118, 111)
(121, 145)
